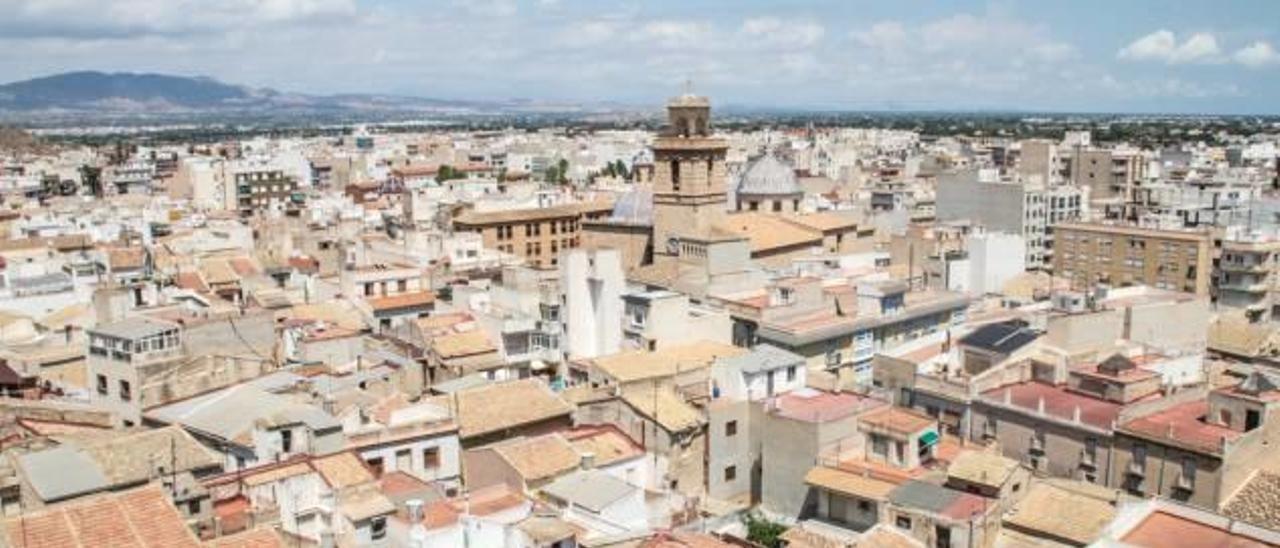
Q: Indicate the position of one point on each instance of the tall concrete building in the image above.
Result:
(1027, 210)
(592, 284)
(690, 189)
(1038, 159)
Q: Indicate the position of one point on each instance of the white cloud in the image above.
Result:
(132, 18)
(676, 34)
(489, 8)
(885, 35)
(1162, 46)
(1257, 54)
(784, 33)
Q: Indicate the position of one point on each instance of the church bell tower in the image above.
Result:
(689, 175)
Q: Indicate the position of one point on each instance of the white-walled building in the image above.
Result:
(592, 285)
(994, 259)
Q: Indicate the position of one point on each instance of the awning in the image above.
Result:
(928, 438)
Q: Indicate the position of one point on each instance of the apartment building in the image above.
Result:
(1246, 277)
(259, 190)
(1094, 253)
(536, 235)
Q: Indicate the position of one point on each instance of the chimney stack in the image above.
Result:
(587, 460)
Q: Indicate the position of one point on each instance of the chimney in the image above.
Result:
(414, 508)
(1040, 405)
(417, 531)
(587, 460)
(1008, 396)
(1075, 415)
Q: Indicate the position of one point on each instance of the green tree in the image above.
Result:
(563, 166)
(620, 169)
(551, 175)
(448, 173)
(762, 531)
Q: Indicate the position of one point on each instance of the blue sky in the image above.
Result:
(1083, 55)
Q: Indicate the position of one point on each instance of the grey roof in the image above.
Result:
(590, 489)
(232, 412)
(277, 381)
(136, 327)
(58, 279)
(330, 384)
(769, 176)
(923, 495)
(461, 383)
(62, 472)
(764, 357)
(1258, 382)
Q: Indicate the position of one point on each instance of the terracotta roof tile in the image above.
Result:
(143, 517)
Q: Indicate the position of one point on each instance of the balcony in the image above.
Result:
(1184, 483)
(1244, 286)
(1088, 460)
(1250, 268)
(1137, 469)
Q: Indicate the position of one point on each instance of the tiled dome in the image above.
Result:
(769, 176)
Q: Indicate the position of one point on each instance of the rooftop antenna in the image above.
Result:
(688, 86)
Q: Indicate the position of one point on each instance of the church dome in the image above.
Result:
(769, 176)
(634, 207)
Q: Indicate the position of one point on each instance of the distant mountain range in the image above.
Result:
(122, 94)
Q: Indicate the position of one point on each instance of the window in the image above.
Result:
(791, 374)
(126, 394)
(833, 358)
(1139, 454)
(102, 384)
(431, 458)
(286, 441)
(731, 428)
(1188, 472)
(375, 464)
(903, 522)
(730, 473)
(675, 175)
(378, 528)
(879, 445)
(368, 289)
(193, 507)
(838, 509)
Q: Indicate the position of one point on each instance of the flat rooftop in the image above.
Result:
(1058, 402)
(1183, 424)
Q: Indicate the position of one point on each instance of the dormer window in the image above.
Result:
(783, 296)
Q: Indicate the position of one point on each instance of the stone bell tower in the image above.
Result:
(689, 175)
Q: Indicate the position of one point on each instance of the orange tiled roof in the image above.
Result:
(142, 517)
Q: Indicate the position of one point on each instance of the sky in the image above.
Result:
(1071, 56)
